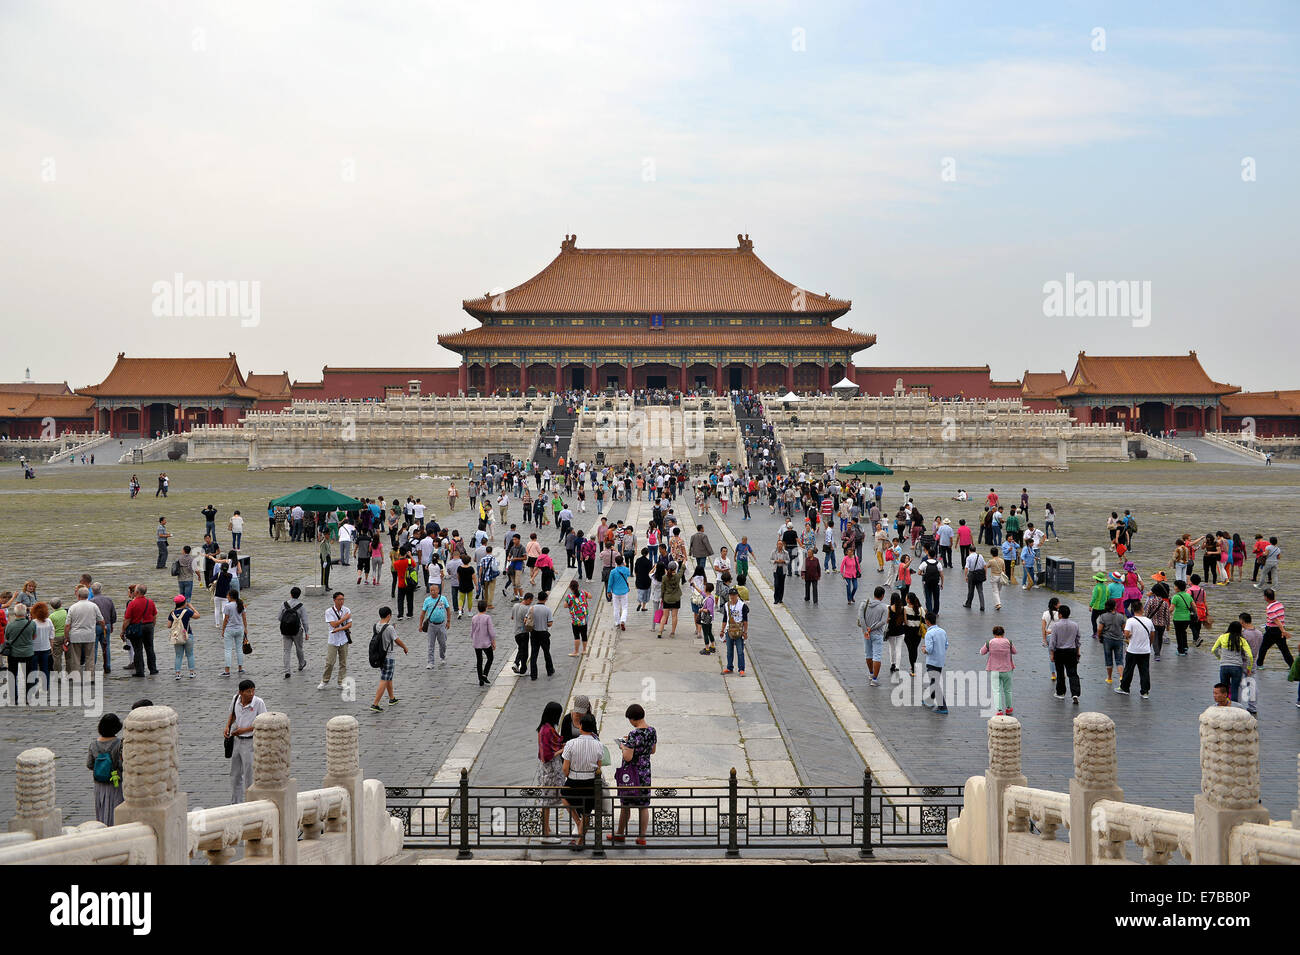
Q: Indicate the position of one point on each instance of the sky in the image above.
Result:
(366, 166)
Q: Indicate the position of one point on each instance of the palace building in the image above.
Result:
(1151, 393)
(687, 319)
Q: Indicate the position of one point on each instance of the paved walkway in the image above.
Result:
(406, 743)
(1158, 738)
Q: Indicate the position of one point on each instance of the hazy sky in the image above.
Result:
(371, 164)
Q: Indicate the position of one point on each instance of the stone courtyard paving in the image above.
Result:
(75, 519)
(1158, 738)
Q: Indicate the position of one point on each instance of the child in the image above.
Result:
(704, 620)
(1000, 650)
(697, 598)
(105, 763)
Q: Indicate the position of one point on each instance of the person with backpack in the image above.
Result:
(104, 760)
(182, 636)
(931, 581)
(293, 628)
(383, 656)
(735, 625)
(489, 569)
(521, 616)
(435, 616)
(406, 570)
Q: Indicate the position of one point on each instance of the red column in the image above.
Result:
(523, 376)
(717, 382)
(487, 379)
(825, 379)
(559, 375)
(683, 384)
(753, 376)
(1169, 417)
(462, 378)
(789, 378)
(627, 386)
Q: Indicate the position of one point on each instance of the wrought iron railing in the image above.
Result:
(730, 818)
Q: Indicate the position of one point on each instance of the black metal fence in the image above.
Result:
(731, 818)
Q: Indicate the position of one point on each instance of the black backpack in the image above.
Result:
(930, 571)
(290, 623)
(377, 653)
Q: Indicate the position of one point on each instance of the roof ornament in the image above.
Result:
(569, 242)
(746, 245)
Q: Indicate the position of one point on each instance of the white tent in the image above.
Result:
(790, 396)
(845, 384)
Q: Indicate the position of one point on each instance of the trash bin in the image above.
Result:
(1059, 574)
(245, 573)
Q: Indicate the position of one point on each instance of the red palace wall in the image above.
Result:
(939, 382)
(361, 384)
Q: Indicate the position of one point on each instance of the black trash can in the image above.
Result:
(1059, 574)
(245, 573)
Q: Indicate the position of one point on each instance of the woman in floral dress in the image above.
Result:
(638, 746)
(550, 768)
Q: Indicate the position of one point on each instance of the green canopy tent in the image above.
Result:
(318, 498)
(866, 467)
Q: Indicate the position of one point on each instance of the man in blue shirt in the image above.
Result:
(936, 654)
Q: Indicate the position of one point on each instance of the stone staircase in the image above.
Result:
(563, 421)
(751, 426)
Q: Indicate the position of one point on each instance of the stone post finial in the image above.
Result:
(1004, 746)
(151, 783)
(150, 766)
(1230, 758)
(342, 746)
(34, 787)
(1094, 751)
(34, 794)
(271, 751)
(1295, 813)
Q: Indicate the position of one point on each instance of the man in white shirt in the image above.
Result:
(80, 630)
(236, 526)
(339, 620)
(347, 534)
(417, 511)
(296, 516)
(1137, 656)
(975, 570)
(244, 709)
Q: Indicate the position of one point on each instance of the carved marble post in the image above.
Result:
(1295, 813)
(1096, 777)
(271, 781)
(151, 781)
(1003, 771)
(1229, 792)
(343, 768)
(34, 795)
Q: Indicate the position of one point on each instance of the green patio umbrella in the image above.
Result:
(866, 467)
(318, 498)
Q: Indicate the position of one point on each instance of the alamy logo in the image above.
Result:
(1085, 298)
(76, 908)
(193, 299)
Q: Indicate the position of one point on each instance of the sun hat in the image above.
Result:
(1100, 577)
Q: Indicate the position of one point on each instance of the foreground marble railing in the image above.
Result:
(343, 823)
(1228, 824)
